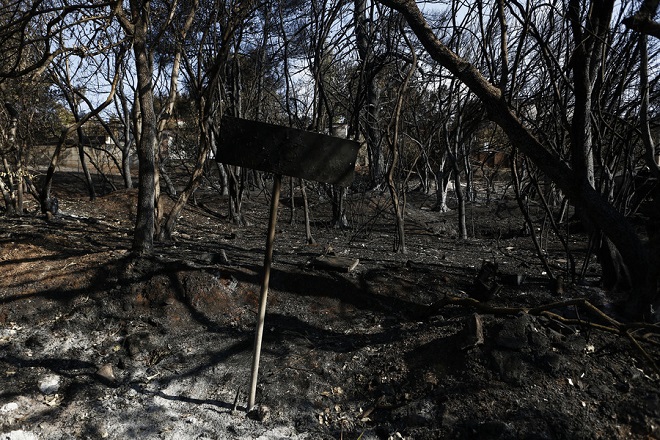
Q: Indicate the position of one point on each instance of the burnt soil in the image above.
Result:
(95, 343)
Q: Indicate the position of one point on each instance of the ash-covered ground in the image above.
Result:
(97, 344)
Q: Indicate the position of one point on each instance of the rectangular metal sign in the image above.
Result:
(287, 151)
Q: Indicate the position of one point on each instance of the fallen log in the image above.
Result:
(340, 264)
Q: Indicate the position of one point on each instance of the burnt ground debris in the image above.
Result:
(97, 344)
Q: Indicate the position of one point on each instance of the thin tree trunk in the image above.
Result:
(207, 139)
(369, 87)
(224, 178)
(128, 142)
(292, 219)
(393, 139)
(169, 185)
(83, 164)
(470, 192)
(164, 118)
(460, 199)
(11, 139)
(442, 184)
(525, 212)
(451, 150)
(20, 184)
(10, 209)
(308, 226)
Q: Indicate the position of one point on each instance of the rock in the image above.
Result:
(106, 374)
(9, 407)
(473, 332)
(514, 333)
(510, 366)
(137, 343)
(552, 363)
(49, 384)
(538, 341)
(485, 285)
(599, 391)
(574, 343)
(418, 413)
(18, 435)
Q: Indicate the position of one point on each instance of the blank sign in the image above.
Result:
(287, 151)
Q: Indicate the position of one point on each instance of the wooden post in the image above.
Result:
(268, 259)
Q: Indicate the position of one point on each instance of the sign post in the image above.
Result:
(282, 151)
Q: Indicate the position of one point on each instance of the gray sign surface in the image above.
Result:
(287, 151)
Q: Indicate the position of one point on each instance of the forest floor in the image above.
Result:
(97, 344)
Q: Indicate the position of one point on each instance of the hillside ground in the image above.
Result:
(97, 344)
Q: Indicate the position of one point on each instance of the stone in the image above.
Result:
(514, 333)
(18, 435)
(137, 343)
(49, 384)
(485, 284)
(9, 407)
(417, 413)
(473, 332)
(510, 366)
(106, 373)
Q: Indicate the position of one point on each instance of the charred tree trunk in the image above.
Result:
(145, 220)
(370, 93)
(308, 226)
(451, 144)
(129, 137)
(224, 179)
(393, 140)
(236, 187)
(7, 192)
(524, 209)
(460, 198)
(83, 164)
(292, 196)
(337, 195)
(442, 184)
(7, 197)
(20, 182)
(49, 203)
